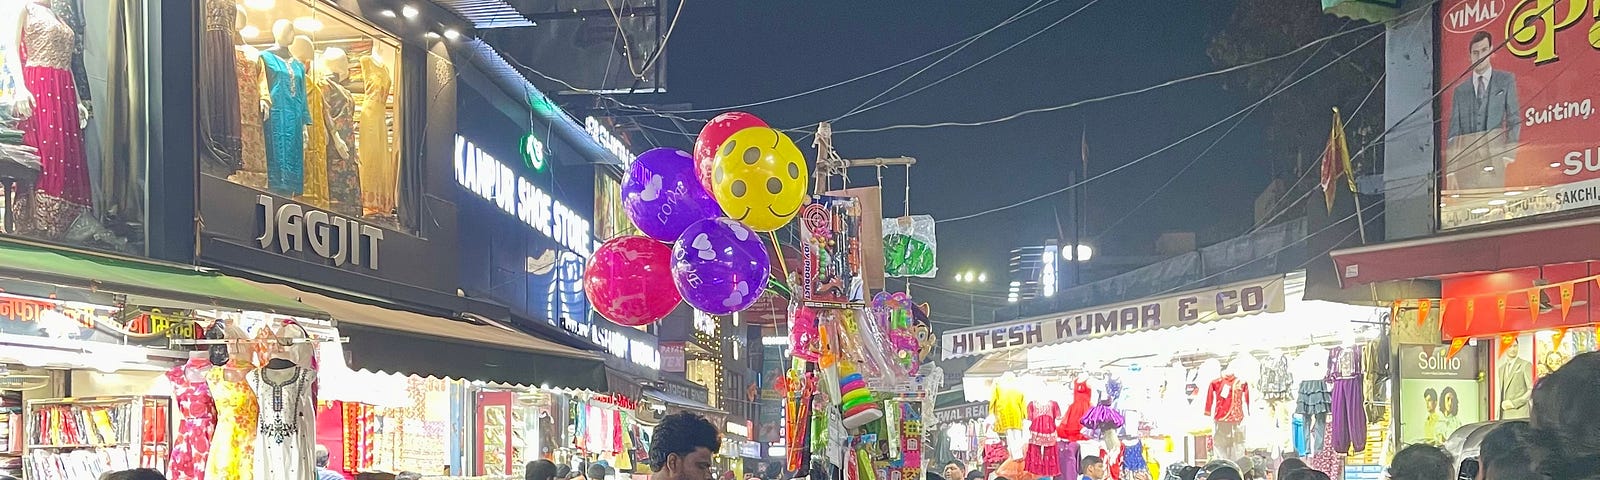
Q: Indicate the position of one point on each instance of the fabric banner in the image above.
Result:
(1518, 129)
(1236, 300)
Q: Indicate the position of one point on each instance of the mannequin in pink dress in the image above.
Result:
(199, 417)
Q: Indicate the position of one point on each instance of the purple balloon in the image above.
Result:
(720, 266)
(662, 194)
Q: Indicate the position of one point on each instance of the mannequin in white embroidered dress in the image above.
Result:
(284, 447)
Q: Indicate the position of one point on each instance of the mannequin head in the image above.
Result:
(301, 49)
(283, 33)
(239, 20)
(335, 62)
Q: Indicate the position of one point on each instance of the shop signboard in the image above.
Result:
(1517, 120)
(960, 413)
(1439, 393)
(63, 320)
(292, 227)
(1236, 300)
(1363, 472)
(673, 357)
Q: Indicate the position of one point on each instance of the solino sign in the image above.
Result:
(1240, 299)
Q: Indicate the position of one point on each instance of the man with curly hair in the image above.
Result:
(681, 447)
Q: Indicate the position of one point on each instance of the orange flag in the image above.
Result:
(1506, 341)
(1566, 299)
(1455, 346)
(1561, 334)
(1472, 305)
(1500, 308)
(1444, 308)
(1533, 305)
(1423, 306)
(1336, 161)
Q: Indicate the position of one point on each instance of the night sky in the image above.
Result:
(727, 52)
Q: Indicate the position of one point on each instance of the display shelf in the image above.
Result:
(120, 431)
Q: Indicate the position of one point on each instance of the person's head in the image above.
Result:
(1303, 474)
(135, 474)
(1566, 431)
(1482, 45)
(563, 471)
(540, 470)
(955, 470)
(974, 475)
(1093, 467)
(1431, 397)
(1189, 472)
(681, 447)
(1422, 462)
(933, 476)
(320, 456)
(1289, 465)
(408, 476)
(598, 471)
(1225, 473)
(1504, 452)
(1449, 402)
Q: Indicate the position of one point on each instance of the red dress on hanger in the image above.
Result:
(1071, 428)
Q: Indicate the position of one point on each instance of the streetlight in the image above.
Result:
(1084, 253)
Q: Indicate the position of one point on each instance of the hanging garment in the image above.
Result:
(62, 191)
(1228, 440)
(1071, 428)
(1325, 459)
(995, 453)
(1068, 457)
(233, 446)
(379, 174)
(956, 433)
(1227, 399)
(1042, 457)
(1007, 405)
(198, 421)
(344, 172)
(286, 124)
(1349, 422)
(1276, 383)
(1133, 461)
(287, 426)
(316, 144)
(219, 86)
(252, 135)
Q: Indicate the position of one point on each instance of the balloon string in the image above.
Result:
(783, 265)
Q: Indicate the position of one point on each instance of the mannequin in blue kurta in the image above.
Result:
(285, 124)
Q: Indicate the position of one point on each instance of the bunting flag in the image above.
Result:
(1506, 341)
(1472, 306)
(1336, 161)
(1444, 308)
(1566, 300)
(1500, 309)
(1394, 312)
(1533, 305)
(1456, 344)
(1423, 306)
(1561, 334)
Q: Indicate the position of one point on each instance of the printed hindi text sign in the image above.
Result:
(1240, 299)
(1519, 135)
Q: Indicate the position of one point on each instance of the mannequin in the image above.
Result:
(198, 421)
(316, 143)
(283, 100)
(230, 452)
(1227, 400)
(379, 174)
(219, 85)
(344, 172)
(252, 142)
(284, 389)
(12, 17)
(62, 192)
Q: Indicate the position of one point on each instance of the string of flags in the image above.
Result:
(1564, 294)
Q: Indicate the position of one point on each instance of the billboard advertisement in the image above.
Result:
(1440, 393)
(1518, 132)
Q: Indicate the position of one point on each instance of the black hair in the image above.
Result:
(1225, 473)
(1303, 474)
(1481, 36)
(596, 471)
(1566, 433)
(974, 475)
(1430, 394)
(681, 433)
(1454, 406)
(933, 476)
(1504, 451)
(1291, 464)
(1189, 472)
(540, 470)
(320, 456)
(1089, 461)
(137, 474)
(957, 463)
(1422, 462)
(408, 475)
(563, 471)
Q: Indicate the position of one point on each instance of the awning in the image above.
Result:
(399, 341)
(144, 282)
(1470, 252)
(681, 401)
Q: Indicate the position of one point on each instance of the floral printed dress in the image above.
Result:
(232, 455)
(198, 424)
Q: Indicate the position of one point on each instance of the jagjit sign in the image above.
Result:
(1240, 299)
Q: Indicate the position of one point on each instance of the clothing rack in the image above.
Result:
(247, 341)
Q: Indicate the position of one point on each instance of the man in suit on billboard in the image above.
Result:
(1485, 121)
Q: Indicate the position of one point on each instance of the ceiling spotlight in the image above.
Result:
(432, 35)
(983, 277)
(1497, 202)
(1513, 193)
(1480, 211)
(1555, 164)
(452, 34)
(1015, 283)
(1488, 168)
(307, 24)
(1011, 299)
(387, 13)
(249, 31)
(409, 11)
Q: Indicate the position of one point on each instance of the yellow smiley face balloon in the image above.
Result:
(760, 178)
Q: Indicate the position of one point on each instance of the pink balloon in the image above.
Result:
(629, 281)
(711, 137)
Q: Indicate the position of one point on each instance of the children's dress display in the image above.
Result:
(198, 421)
(1349, 422)
(1071, 428)
(1042, 457)
(1008, 407)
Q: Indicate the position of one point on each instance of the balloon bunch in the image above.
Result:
(744, 178)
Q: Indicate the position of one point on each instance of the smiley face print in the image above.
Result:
(760, 178)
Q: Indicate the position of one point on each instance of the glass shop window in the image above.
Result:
(72, 129)
(301, 99)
